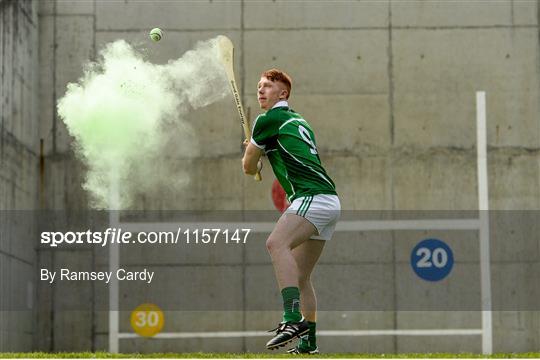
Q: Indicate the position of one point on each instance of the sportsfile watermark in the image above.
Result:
(200, 261)
(118, 236)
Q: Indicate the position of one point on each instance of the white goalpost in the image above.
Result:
(480, 224)
(114, 264)
(483, 207)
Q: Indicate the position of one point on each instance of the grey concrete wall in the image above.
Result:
(19, 176)
(389, 89)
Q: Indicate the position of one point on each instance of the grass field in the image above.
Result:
(200, 355)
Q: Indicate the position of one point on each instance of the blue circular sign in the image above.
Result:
(432, 259)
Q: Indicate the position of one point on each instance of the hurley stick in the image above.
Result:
(227, 58)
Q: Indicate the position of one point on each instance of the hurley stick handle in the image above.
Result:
(227, 58)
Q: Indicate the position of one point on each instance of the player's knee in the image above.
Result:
(273, 245)
(304, 280)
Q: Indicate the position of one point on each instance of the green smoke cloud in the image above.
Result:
(128, 119)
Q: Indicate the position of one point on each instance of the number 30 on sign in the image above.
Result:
(432, 259)
(147, 320)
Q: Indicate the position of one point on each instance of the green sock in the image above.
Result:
(291, 304)
(309, 341)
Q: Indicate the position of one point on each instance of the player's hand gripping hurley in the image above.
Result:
(226, 49)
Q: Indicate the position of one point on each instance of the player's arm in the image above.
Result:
(251, 161)
(264, 129)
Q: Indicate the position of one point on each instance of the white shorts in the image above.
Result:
(321, 210)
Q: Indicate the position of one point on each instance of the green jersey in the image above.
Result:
(289, 144)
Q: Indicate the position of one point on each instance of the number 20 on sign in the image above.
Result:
(147, 320)
(432, 259)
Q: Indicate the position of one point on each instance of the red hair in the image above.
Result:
(281, 76)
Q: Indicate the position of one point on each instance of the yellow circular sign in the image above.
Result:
(147, 320)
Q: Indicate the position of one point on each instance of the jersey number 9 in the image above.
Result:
(304, 133)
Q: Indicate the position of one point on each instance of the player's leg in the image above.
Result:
(306, 256)
(291, 231)
(324, 213)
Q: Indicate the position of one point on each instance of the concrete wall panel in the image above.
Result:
(46, 7)
(55, 182)
(183, 288)
(46, 80)
(23, 235)
(18, 342)
(21, 294)
(510, 237)
(8, 62)
(20, 331)
(513, 180)
(30, 132)
(514, 286)
(75, 7)
(460, 291)
(217, 129)
(72, 303)
(18, 174)
(3, 191)
(195, 321)
(511, 330)
(72, 330)
(439, 344)
(74, 48)
(101, 321)
(435, 89)
(177, 15)
(362, 183)
(219, 195)
(451, 13)
(255, 249)
(358, 247)
(368, 287)
(63, 179)
(101, 343)
(73, 179)
(422, 320)
(15, 119)
(5, 301)
(356, 320)
(357, 344)
(321, 62)
(44, 305)
(315, 14)
(525, 12)
(438, 180)
(257, 195)
(261, 277)
(262, 320)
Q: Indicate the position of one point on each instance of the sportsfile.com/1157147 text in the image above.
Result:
(119, 236)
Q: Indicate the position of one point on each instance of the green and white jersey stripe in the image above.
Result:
(304, 207)
(289, 143)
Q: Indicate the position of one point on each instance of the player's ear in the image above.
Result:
(284, 94)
